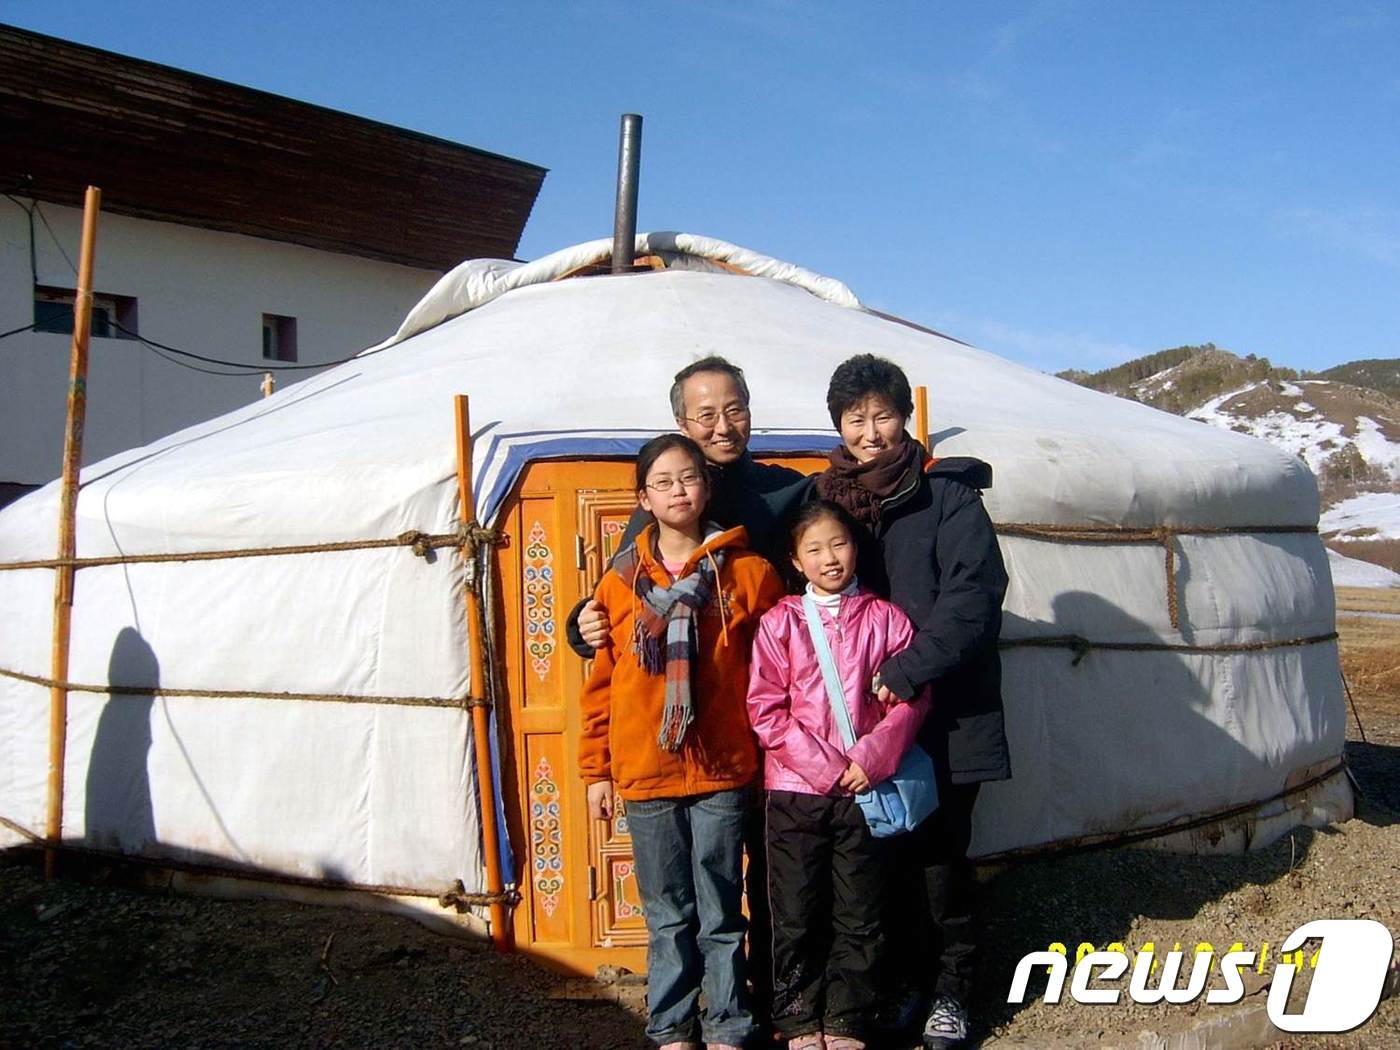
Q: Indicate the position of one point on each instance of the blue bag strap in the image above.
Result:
(834, 692)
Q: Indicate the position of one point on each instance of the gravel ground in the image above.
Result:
(97, 964)
(1134, 896)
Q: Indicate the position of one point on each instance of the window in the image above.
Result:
(279, 338)
(113, 316)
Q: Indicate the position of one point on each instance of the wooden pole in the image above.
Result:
(921, 416)
(481, 729)
(67, 530)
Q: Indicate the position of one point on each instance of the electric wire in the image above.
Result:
(246, 369)
(57, 243)
(163, 351)
(262, 367)
(33, 256)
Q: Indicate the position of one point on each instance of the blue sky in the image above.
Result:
(1065, 183)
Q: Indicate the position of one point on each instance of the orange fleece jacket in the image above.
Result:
(622, 703)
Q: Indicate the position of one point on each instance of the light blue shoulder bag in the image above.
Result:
(892, 806)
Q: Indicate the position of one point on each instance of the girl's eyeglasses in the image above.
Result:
(688, 480)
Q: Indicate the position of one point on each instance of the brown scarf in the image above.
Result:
(860, 487)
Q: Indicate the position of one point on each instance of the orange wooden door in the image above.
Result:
(580, 907)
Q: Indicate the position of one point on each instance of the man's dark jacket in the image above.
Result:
(936, 557)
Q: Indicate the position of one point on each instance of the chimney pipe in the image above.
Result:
(629, 159)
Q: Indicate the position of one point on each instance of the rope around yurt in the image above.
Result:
(472, 538)
(1091, 843)
(1081, 647)
(467, 538)
(456, 896)
(463, 702)
(1163, 534)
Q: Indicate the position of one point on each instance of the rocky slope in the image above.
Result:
(1344, 423)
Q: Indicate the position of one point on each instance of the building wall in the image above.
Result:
(197, 290)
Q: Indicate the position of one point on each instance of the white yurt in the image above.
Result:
(269, 673)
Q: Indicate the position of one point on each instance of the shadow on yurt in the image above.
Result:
(277, 612)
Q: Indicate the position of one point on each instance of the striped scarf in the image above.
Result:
(664, 635)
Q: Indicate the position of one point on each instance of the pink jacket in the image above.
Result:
(788, 706)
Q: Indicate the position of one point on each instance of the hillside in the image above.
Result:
(1182, 378)
(1382, 375)
(1344, 423)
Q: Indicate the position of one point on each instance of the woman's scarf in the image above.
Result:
(861, 487)
(664, 634)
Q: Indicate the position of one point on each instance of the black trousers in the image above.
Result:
(826, 882)
(930, 913)
(760, 946)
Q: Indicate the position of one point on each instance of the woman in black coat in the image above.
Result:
(929, 546)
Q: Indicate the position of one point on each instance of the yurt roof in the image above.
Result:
(581, 368)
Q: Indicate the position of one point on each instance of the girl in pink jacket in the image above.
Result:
(825, 878)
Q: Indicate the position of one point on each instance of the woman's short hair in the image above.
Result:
(653, 449)
(857, 378)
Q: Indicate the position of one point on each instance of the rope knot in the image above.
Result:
(418, 541)
(471, 536)
(459, 899)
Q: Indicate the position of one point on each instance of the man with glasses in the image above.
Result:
(710, 403)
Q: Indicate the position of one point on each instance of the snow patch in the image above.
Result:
(1378, 511)
(1375, 447)
(1352, 572)
(1309, 439)
(1210, 411)
(1303, 406)
(1290, 390)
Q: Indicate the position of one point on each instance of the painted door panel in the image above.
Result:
(580, 906)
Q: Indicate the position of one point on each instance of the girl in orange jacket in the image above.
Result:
(665, 727)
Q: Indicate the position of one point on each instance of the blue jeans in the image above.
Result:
(688, 853)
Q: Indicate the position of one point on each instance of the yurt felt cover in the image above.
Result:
(382, 794)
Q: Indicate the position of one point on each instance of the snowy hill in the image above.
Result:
(1342, 432)
(1349, 435)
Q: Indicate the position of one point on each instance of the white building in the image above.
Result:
(236, 225)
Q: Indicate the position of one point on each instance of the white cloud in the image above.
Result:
(1050, 351)
(1172, 139)
(1367, 230)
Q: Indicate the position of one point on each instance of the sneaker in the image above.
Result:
(946, 1025)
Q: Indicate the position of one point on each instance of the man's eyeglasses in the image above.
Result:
(709, 417)
(688, 480)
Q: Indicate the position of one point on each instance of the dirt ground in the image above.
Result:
(90, 963)
(1135, 896)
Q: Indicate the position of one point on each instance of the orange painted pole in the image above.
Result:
(481, 728)
(921, 416)
(67, 529)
